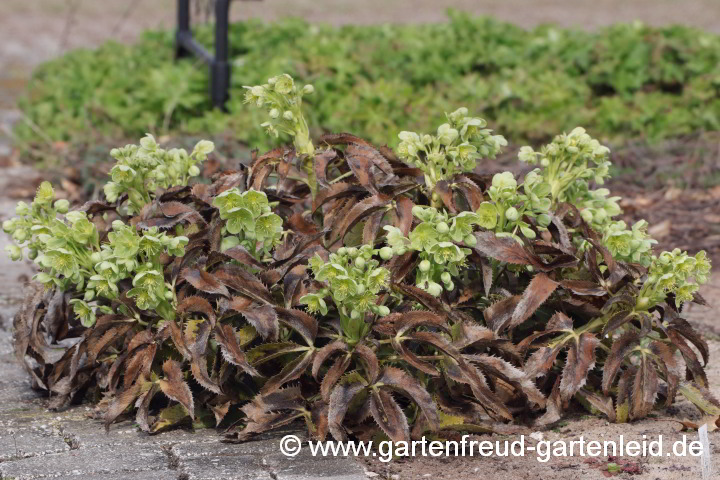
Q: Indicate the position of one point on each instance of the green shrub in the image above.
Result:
(319, 282)
(621, 82)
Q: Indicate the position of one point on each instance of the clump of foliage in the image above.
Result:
(622, 82)
(384, 301)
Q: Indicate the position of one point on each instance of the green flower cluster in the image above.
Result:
(129, 254)
(570, 157)
(629, 245)
(435, 237)
(510, 206)
(38, 218)
(596, 208)
(250, 221)
(455, 148)
(569, 164)
(61, 245)
(69, 253)
(353, 279)
(674, 273)
(141, 169)
(283, 101)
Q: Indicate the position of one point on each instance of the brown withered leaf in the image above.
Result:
(583, 287)
(407, 385)
(121, 402)
(700, 396)
(670, 367)
(359, 211)
(340, 399)
(225, 337)
(580, 360)
(198, 360)
(195, 304)
(204, 281)
(539, 290)
(389, 416)
(463, 372)
(262, 316)
(603, 404)
(367, 355)
(499, 314)
(403, 214)
(320, 164)
(644, 391)
(506, 249)
(175, 387)
(470, 191)
(617, 320)
(433, 304)
(326, 352)
(497, 367)
(299, 321)
(333, 375)
(442, 188)
(364, 160)
(220, 411)
(239, 253)
(291, 371)
(619, 350)
(339, 190)
(238, 279)
(319, 415)
(266, 412)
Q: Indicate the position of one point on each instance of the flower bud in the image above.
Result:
(62, 205)
(382, 310)
(22, 209)
(442, 227)
(434, 289)
(512, 214)
(274, 113)
(445, 277)
(424, 266)
(308, 89)
(354, 314)
(14, 252)
(288, 115)
(352, 251)
(20, 235)
(9, 226)
(342, 251)
(360, 262)
(386, 253)
(470, 240)
(587, 215)
(194, 171)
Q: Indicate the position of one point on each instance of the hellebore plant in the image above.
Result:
(391, 299)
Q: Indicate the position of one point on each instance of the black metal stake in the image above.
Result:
(219, 65)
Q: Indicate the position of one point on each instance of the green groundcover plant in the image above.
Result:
(363, 291)
(624, 81)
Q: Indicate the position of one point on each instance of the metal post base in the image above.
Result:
(219, 65)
